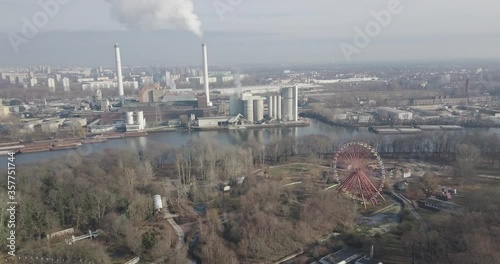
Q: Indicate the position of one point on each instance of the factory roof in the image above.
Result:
(341, 256)
(392, 110)
(175, 98)
(215, 118)
(438, 204)
(366, 260)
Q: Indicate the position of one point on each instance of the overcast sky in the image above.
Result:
(258, 32)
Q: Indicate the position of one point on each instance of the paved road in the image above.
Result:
(409, 205)
(178, 232)
(489, 177)
(177, 229)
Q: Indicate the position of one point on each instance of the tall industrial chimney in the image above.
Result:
(119, 73)
(205, 73)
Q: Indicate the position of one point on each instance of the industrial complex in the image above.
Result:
(126, 102)
(156, 132)
(161, 107)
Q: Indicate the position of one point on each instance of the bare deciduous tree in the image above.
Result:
(467, 157)
(428, 184)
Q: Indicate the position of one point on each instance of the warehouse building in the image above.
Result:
(393, 114)
(216, 121)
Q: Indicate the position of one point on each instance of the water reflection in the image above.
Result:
(177, 139)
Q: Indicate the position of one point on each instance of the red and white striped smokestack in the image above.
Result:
(119, 73)
(205, 73)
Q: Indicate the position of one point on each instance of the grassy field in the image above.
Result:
(296, 172)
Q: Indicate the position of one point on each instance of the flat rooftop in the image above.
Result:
(216, 118)
(392, 110)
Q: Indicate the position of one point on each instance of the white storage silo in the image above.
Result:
(295, 108)
(157, 203)
(278, 109)
(130, 118)
(283, 107)
(258, 109)
(287, 103)
(140, 120)
(270, 106)
(248, 107)
(245, 95)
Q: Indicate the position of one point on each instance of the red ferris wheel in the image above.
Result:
(360, 172)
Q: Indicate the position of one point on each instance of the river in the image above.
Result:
(176, 139)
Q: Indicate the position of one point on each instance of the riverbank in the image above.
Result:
(445, 125)
(163, 129)
(302, 123)
(412, 130)
(72, 143)
(180, 138)
(62, 144)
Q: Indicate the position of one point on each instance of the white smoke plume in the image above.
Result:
(237, 81)
(156, 14)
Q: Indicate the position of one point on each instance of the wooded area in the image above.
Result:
(258, 221)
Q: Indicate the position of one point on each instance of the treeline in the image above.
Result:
(439, 146)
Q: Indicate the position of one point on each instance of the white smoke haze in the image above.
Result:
(156, 14)
(237, 82)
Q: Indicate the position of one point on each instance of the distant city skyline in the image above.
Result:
(258, 32)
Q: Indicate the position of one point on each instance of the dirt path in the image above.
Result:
(409, 205)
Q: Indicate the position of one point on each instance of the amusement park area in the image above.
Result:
(394, 203)
(310, 199)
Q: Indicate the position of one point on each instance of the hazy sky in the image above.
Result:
(258, 31)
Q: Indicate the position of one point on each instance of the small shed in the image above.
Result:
(438, 205)
(406, 173)
(157, 202)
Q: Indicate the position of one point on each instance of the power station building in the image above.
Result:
(152, 114)
(283, 106)
(274, 107)
(393, 114)
(290, 103)
(251, 107)
(138, 124)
